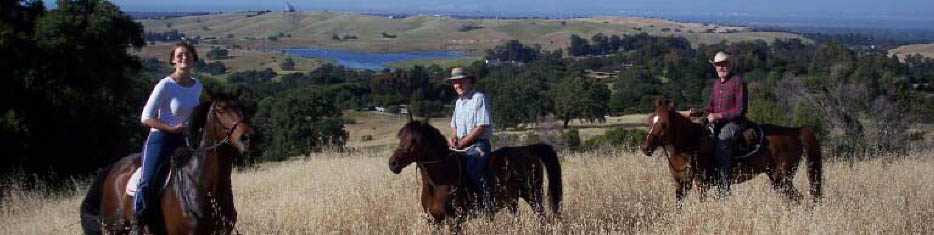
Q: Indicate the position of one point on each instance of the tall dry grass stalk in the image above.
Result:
(606, 192)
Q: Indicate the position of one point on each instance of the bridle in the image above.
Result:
(423, 164)
(227, 131)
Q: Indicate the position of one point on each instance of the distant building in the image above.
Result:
(289, 7)
(497, 63)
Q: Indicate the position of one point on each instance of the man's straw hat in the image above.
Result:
(458, 73)
(720, 57)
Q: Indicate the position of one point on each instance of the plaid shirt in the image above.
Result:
(470, 111)
(728, 98)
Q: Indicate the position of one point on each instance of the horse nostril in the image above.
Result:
(245, 138)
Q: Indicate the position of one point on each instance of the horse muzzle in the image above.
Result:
(395, 166)
(648, 151)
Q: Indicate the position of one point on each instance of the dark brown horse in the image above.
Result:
(197, 199)
(445, 191)
(689, 149)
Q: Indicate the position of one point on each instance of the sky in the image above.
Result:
(920, 12)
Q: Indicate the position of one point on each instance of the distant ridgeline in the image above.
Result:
(141, 15)
(869, 38)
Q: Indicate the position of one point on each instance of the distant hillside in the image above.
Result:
(926, 50)
(305, 29)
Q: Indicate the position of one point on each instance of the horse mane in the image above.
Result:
(197, 120)
(422, 134)
(675, 116)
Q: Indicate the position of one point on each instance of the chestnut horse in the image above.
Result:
(445, 191)
(689, 149)
(197, 199)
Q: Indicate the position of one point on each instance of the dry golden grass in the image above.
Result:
(606, 192)
(426, 33)
(926, 50)
(238, 60)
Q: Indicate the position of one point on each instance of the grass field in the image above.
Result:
(926, 50)
(237, 60)
(606, 192)
(423, 33)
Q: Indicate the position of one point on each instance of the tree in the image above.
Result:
(515, 97)
(579, 97)
(288, 64)
(71, 92)
(513, 50)
(579, 46)
(300, 121)
(217, 53)
(601, 44)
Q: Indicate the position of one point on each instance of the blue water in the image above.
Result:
(373, 61)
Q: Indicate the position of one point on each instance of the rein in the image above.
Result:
(460, 173)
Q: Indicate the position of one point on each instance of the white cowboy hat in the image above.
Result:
(458, 73)
(720, 57)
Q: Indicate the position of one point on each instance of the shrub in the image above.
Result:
(504, 140)
(628, 139)
(572, 139)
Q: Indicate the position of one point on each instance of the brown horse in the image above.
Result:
(445, 191)
(197, 199)
(689, 149)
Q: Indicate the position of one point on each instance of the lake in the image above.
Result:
(373, 61)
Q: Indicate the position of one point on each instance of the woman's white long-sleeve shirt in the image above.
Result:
(171, 102)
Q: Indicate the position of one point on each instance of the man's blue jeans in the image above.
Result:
(727, 134)
(156, 151)
(478, 155)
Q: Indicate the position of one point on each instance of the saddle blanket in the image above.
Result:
(132, 185)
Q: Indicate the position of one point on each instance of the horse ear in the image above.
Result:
(410, 116)
(659, 102)
(208, 93)
(671, 105)
(237, 91)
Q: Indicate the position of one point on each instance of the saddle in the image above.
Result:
(164, 174)
(133, 184)
(750, 140)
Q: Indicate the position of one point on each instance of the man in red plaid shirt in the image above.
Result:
(726, 108)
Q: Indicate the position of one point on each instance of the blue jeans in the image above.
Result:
(727, 134)
(156, 151)
(478, 155)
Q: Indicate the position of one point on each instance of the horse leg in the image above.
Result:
(681, 189)
(781, 182)
(457, 225)
(510, 199)
(702, 188)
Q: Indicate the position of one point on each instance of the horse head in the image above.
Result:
(221, 120)
(660, 126)
(418, 141)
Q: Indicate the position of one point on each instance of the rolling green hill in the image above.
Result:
(419, 33)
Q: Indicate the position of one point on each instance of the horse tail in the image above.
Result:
(814, 162)
(553, 169)
(91, 205)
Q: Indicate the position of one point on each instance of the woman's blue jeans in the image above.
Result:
(156, 152)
